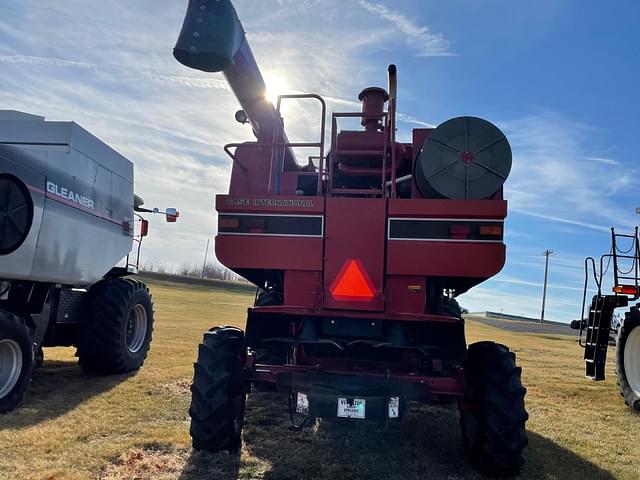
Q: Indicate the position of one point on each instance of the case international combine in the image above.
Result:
(358, 253)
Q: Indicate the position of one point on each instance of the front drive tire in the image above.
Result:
(218, 392)
(115, 333)
(628, 359)
(16, 359)
(493, 415)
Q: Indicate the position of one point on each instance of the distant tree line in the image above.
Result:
(212, 271)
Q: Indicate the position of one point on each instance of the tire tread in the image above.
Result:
(217, 390)
(497, 395)
(99, 345)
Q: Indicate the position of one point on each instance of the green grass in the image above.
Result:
(75, 426)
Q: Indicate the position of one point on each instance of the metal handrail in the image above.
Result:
(635, 266)
(137, 239)
(227, 150)
(319, 145)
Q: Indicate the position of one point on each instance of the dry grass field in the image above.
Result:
(74, 426)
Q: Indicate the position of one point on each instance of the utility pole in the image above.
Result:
(206, 253)
(546, 254)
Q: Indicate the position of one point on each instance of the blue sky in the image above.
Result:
(561, 78)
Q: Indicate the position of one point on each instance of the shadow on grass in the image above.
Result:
(219, 466)
(426, 445)
(57, 387)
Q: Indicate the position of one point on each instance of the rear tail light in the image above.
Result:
(626, 290)
(229, 223)
(490, 230)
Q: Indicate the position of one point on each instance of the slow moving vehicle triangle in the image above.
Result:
(352, 283)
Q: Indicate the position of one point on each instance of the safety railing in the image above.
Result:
(277, 155)
(326, 164)
(278, 149)
(625, 279)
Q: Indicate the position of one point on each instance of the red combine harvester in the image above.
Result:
(357, 255)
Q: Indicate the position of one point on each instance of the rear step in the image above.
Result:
(597, 333)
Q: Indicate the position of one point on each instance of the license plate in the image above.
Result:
(351, 407)
(302, 404)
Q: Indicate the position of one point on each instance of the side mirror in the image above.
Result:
(172, 215)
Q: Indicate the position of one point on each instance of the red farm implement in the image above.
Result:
(357, 255)
(622, 265)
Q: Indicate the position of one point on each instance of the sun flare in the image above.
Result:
(276, 85)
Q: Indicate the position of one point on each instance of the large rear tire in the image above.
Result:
(218, 392)
(16, 359)
(115, 333)
(493, 415)
(628, 359)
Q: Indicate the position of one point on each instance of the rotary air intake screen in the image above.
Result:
(463, 158)
(16, 213)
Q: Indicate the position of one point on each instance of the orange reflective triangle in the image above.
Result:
(352, 283)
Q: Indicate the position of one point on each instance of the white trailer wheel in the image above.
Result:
(632, 360)
(10, 366)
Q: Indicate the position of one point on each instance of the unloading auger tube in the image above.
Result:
(212, 40)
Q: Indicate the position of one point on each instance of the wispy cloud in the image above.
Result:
(553, 218)
(403, 117)
(197, 82)
(606, 161)
(424, 42)
(33, 60)
(517, 281)
(549, 152)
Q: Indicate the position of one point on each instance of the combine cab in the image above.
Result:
(358, 254)
(624, 264)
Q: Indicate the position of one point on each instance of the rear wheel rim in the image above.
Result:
(632, 360)
(136, 328)
(10, 366)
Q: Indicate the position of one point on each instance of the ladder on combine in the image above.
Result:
(597, 331)
(598, 324)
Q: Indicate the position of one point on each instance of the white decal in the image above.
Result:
(271, 202)
(67, 194)
(237, 202)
